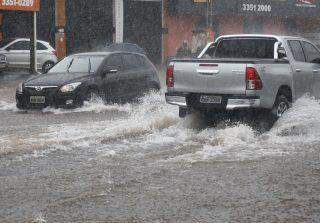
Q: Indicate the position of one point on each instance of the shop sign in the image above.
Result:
(279, 7)
(20, 5)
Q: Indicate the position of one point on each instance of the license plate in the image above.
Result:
(210, 99)
(37, 99)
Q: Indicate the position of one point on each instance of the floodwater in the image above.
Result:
(141, 163)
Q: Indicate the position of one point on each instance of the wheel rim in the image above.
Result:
(282, 108)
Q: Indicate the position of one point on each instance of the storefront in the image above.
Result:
(78, 25)
(187, 20)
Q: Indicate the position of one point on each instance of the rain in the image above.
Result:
(161, 111)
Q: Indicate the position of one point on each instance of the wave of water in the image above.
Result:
(154, 125)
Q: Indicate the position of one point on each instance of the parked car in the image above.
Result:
(17, 52)
(245, 72)
(125, 47)
(114, 76)
(3, 62)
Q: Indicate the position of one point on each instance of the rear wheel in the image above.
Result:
(280, 106)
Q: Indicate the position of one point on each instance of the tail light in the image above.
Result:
(170, 77)
(253, 79)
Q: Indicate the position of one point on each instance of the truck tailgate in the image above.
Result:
(210, 77)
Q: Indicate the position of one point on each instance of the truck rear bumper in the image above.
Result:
(229, 102)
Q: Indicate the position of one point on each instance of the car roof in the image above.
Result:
(278, 37)
(28, 39)
(104, 53)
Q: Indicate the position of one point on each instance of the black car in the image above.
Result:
(115, 76)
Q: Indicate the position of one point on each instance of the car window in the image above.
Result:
(79, 64)
(40, 46)
(130, 61)
(297, 50)
(21, 45)
(144, 63)
(114, 62)
(311, 52)
(245, 48)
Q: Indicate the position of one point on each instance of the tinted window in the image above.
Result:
(245, 48)
(311, 52)
(114, 62)
(130, 61)
(144, 63)
(40, 46)
(62, 66)
(78, 64)
(21, 45)
(297, 51)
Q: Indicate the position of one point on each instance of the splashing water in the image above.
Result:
(152, 124)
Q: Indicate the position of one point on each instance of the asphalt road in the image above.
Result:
(141, 163)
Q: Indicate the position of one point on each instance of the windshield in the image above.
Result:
(261, 48)
(78, 64)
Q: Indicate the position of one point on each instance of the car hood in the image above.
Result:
(55, 79)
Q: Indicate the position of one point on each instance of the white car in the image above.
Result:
(17, 52)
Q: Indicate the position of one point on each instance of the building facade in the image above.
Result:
(190, 20)
(161, 26)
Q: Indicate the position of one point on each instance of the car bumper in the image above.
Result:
(58, 100)
(229, 102)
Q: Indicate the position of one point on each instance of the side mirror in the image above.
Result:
(279, 52)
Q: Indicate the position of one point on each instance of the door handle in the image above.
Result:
(298, 70)
(315, 71)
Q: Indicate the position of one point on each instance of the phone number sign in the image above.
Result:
(20, 5)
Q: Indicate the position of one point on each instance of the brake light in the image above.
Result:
(169, 76)
(253, 79)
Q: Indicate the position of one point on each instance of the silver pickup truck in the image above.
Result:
(245, 72)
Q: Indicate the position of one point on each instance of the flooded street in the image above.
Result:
(140, 163)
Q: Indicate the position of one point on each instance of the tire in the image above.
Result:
(91, 95)
(280, 106)
(183, 112)
(47, 66)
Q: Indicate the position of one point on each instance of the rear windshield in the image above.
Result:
(245, 48)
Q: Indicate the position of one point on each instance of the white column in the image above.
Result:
(118, 20)
(35, 40)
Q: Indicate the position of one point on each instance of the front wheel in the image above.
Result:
(280, 107)
(91, 96)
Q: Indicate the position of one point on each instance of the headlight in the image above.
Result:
(20, 88)
(3, 57)
(69, 87)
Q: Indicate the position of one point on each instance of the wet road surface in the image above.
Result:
(141, 163)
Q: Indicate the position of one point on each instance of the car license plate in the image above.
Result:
(210, 99)
(37, 99)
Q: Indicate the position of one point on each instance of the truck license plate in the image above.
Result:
(37, 99)
(210, 99)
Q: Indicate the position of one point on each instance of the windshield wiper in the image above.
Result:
(69, 66)
(89, 66)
